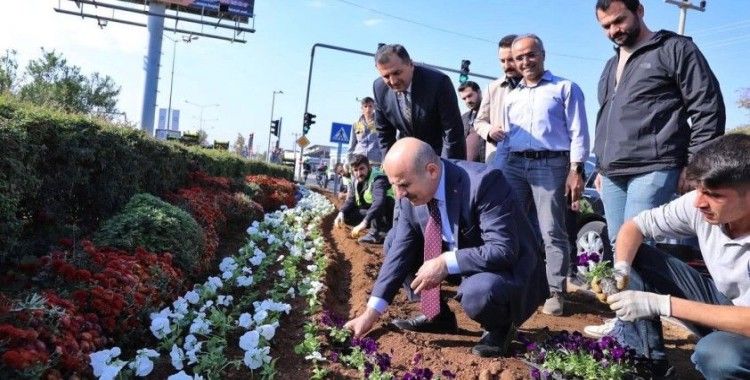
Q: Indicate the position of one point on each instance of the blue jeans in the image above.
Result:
(626, 196)
(718, 354)
(539, 185)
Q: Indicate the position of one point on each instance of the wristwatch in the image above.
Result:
(576, 167)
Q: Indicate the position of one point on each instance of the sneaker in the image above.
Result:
(554, 305)
(598, 331)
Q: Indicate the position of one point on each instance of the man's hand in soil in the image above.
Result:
(362, 324)
(339, 221)
(631, 305)
(430, 274)
(358, 228)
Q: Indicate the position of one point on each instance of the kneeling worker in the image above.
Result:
(457, 218)
(369, 203)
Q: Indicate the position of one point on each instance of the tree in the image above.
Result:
(8, 71)
(744, 102)
(51, 81)
(202, 138)
(239, 145)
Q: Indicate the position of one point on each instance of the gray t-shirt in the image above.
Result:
(727, 259)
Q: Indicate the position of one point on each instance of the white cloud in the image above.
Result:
(372, 21)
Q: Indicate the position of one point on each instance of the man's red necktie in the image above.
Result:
(433, 247)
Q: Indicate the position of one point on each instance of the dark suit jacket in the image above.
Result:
(493, 235)
(474, 142)
(435, 116)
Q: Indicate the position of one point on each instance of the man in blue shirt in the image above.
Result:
(548, 141)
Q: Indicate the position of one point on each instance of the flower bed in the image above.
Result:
(228, 322)
(573, 356)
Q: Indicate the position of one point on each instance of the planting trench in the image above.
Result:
(351, 273)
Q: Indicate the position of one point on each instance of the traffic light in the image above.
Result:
(309, 120)
(275, 128)
(464, 71)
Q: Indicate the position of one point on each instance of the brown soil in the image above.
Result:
(352, 272)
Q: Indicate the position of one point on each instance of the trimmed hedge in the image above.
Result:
(66, 174)
(156, 226)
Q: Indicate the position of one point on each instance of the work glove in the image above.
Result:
(631, 305)
(339, 221)
(622, 274)
(358, 229)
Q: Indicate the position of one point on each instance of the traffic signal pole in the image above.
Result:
(298, 172)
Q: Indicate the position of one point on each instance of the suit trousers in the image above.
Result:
(539, 185)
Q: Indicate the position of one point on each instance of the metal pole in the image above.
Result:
(155, 31)
(684, 5)
(273, 101)
(171, 86)
(681, 23)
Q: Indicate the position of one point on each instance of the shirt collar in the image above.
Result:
(546, 76)
(440, 194)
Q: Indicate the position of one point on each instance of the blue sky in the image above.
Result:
(242, 77)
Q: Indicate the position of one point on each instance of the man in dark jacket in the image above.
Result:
(369, 202)
(648, 91)
(416, 101)
(659, 104)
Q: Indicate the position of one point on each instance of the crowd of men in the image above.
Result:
(481, 198)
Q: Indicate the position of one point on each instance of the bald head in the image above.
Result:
(413, 169)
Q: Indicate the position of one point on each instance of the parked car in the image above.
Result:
(590, 232)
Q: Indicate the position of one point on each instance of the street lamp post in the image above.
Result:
(202, 108)
(273, 101)
(185, 39)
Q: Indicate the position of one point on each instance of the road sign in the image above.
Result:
(340, 133)
(303, 142)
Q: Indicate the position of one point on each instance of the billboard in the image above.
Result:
(237, 10)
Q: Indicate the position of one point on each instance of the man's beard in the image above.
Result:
(631, 37)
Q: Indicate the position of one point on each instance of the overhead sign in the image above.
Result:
(340, 133)
(237, 10)
(303, 142)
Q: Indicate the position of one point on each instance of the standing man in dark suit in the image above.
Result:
(416, 101)
(471, 94)
(457, 218)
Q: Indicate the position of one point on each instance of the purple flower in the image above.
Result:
(383, 361)
(330, 319)
(368, 345)
(448, 374)
(583, 260)
(416, 359)
(334, 357)
(594, 257)
(535, 374)
(368, 369)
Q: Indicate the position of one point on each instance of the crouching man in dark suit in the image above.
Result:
(457, 218)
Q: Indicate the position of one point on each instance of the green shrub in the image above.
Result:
(157, 226)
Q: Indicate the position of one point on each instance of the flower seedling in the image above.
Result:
(601, 276)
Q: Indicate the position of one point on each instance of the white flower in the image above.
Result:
(260, 316)
(190, 342)
(315, 287)
(256, 357)
(315, 356)
(291, 292)
(142, 363)
(180, 376)
(200, 326)
(244, 280)
(223, 300)
(104, 364)
(193, 354)
(271, 239)
(245, 320)
(177, 356)
(249, 340)
(281, 273)
(205, 307)
(267, 331)
(193, 297)
(228, 264)
(312, 267)
(180, 308)
(160, 326)
(213, 283)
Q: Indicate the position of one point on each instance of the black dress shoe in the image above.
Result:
(371, 239)
(445, 322)
(494, 343)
